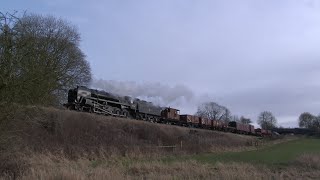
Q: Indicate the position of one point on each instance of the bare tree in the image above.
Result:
(267, 120)
(245, 120)
(227, 115)
(215, 111)
(42, 59)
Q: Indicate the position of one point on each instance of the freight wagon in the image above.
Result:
(263, 132)
(240, 128)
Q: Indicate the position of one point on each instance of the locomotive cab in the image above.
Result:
(72, 95)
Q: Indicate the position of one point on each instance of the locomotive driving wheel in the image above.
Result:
(125, 114)
(118, 113)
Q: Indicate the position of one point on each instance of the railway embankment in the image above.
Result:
(31, 133)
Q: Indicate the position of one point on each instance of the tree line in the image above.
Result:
(40, 59)
(215, 111)
(265, 119)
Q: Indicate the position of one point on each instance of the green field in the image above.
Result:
(280, 154)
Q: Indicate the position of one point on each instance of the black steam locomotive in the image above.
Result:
(101, 102)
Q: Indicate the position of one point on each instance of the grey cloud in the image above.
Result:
(247, 55)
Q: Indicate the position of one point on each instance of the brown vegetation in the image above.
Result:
(311, 161)
(48, 166)
(73, 136)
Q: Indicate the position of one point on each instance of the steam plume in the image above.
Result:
(157, 93)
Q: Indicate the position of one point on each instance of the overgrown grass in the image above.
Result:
(73, 135)
(48, 166)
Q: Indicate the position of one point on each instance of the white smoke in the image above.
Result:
(157, 93)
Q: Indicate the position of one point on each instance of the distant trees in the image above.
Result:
(242, 119)
(307, 120)
(40, 59)
(267, 120)
(245, 120)
(213, 110)
(235, 118)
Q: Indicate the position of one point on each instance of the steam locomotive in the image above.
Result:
(85, 99)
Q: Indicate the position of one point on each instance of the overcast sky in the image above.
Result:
(247, 55)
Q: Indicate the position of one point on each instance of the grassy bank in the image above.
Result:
(48, 166)
(46, 143)
(27, 132)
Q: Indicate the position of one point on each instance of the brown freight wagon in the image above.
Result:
(170, 115)
(252, 131)
(240, 128)
(196, 121)
(186, 118)
(218, 125)
(261, 132)
(268, 133)
(244, 128)
(203, 122)
(264, 132)
(258, 132)
(190, 120)
(208, 124)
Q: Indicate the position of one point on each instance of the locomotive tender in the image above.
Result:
(85, 99)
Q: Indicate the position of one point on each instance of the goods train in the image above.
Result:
(85, 99)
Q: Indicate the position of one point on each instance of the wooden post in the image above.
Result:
(181, 145)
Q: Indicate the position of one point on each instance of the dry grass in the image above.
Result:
(46, 143)
(48, 166)
(74, 135)
(311, 161)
